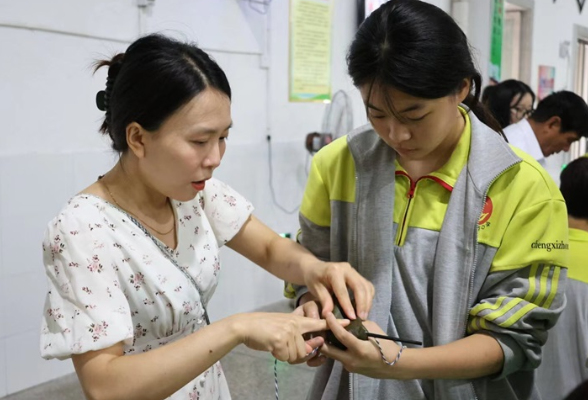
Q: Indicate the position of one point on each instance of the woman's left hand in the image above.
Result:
(322, 278)
(290, 261)
(362, 356)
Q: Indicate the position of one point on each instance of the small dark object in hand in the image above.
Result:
(356, 327)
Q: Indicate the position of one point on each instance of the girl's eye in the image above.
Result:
(377, 116)
(417, 119)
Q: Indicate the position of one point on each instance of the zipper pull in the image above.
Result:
(410, 193)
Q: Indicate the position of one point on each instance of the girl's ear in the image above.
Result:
(464, 91)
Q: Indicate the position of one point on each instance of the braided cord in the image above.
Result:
(309, 355)
(276, 378)
(384, 357)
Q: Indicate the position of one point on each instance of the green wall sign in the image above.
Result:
(496, 44)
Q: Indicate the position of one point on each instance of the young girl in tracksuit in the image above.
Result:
(463, 236)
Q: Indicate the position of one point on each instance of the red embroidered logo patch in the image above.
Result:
(486, 212)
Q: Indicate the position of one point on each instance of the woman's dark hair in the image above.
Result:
(574, 187)
(499, 98)
(150, 81)
(415, 47)
(487, 92)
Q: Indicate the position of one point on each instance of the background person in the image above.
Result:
(559, 120)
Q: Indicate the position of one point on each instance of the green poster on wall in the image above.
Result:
(496, 44)
(310, 50)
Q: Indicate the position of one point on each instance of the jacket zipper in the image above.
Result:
(410, 196)
(355, 246)
(350, 386)
(470, 294)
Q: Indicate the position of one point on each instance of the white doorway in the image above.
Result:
(511, 42)
(517, 37)
(579, 148)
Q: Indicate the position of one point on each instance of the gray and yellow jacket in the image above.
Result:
(477, 246)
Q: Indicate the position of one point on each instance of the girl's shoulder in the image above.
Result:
(528, 180)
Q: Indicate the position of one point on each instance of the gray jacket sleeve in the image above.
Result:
(317, 240)
(517, 307)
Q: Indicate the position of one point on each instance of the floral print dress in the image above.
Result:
(111, 281)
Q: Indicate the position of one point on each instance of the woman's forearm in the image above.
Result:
(288, 261)
(283, 258)
(157, 374)
(291, 262)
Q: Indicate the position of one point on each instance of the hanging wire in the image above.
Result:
(271, 180)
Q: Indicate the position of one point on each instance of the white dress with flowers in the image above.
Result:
(111, 281)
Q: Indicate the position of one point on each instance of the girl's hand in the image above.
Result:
(324, 278)
(308, 307)
(362, 356)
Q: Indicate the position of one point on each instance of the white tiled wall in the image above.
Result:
(33, 187)
(22, 296)
(24, 366)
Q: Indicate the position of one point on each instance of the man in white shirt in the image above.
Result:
(559, 120)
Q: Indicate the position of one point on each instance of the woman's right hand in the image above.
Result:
(310, 308)
(280, 334)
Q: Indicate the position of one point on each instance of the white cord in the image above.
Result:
(271, 181)
(384, 357)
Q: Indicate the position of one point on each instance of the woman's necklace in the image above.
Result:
(101, 180)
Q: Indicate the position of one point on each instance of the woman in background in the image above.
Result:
(509, 101)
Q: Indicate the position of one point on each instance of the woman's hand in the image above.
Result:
(322, 278)
(362, 356)
(281, 334)
(310, 308)
(293, 263)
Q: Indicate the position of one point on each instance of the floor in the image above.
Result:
(250, 375)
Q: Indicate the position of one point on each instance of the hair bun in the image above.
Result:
(100, 100)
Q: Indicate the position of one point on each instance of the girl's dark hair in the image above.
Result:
(416, 48)
(498, 99)
(150, 81)
(574, 187)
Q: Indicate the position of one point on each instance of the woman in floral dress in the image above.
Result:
(133, 260)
